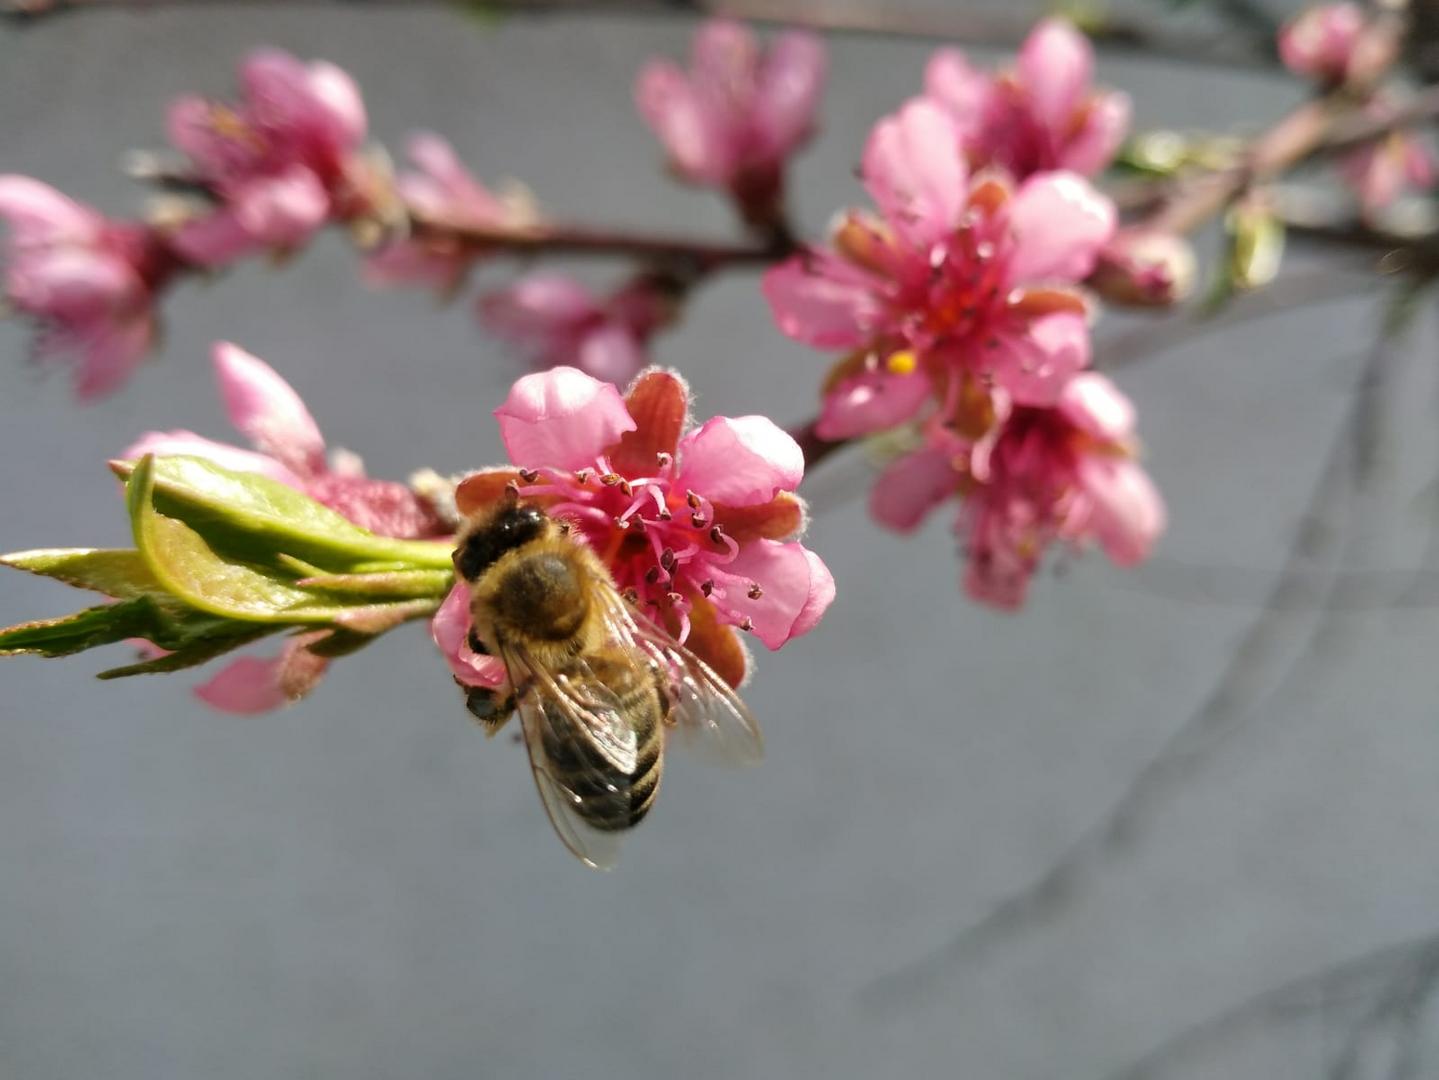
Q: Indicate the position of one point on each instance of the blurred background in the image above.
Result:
(1170, 823)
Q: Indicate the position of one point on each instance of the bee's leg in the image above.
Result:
(666, 695)
(490, 708)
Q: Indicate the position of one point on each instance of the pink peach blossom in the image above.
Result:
(441, 188)
(556, 320)
(90, 282)
(741, 110)
(959, 278)
(1035, 476)
(1043, 114)
(281, 162)
(1380, 172)
(1319, 42)
(699, 527)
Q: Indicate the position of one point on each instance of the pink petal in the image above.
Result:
(611, 353)
(911, 486)
(561, 418)
(1060, 222)
(188, 444)
(537, 307)
(869, 402)
(821, 595)
(724, 54)
(694, 143)
(1092, 403)
(266, 410)
(821, 300)
(963, 90)
(110, 356)
(1055, 66)
(38, 214)
(449, 630)
(245, 686)
(740, 461)
(445, 184)
(339, 106)
(214, 240)
(1106, 123)
(1034, 364)
(783, 572)
(73, 284)
(1127, 511)
(282, 211)
(791, 81)
(914, 171)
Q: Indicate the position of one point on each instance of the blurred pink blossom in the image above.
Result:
(1042, 114)
(699, 527)
(441, 188)
(90, 282)
(1319, 42)
(1145, 267)
(555, 320)
(1034, 476)
(281, 162)
(959, 278)
(1381, 171)
(733, 119)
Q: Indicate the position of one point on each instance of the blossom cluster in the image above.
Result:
(959, 307)
(1331, 44)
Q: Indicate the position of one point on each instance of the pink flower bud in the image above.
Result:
(1145, 268)
(1319, 42)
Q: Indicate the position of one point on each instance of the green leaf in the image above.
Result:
(219, 581)
(162, 621)
(273, 518)
(195, 653)
(122, 574)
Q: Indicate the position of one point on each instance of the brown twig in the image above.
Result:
(700, 255)
(1252, 48)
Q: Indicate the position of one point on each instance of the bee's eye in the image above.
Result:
(511, 529)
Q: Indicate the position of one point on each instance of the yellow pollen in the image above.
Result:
(903, 362)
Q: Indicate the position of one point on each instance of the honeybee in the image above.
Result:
(600, 693)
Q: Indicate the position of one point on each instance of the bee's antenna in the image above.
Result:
(512, 493)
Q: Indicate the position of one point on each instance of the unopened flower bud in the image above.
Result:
(1145, 268)
(1319, 42)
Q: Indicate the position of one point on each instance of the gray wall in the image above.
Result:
(364, 887)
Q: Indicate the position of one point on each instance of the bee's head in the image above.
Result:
(511, 525)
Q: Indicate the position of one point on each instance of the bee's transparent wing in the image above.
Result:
(582, 751)
(706, 717)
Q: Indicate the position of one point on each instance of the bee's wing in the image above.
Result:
(706, 716)
(574, 727)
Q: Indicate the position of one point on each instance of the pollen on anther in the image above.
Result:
(663, 458)
(529, 476)
(707, 587)
(631, 594)
(652, 576)
(717, 534)
(625, 488)
(755, 592)
(693, 500)
(746, 623)
(699, 521)
(667, 559)
(610, 479)
(583, 476)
